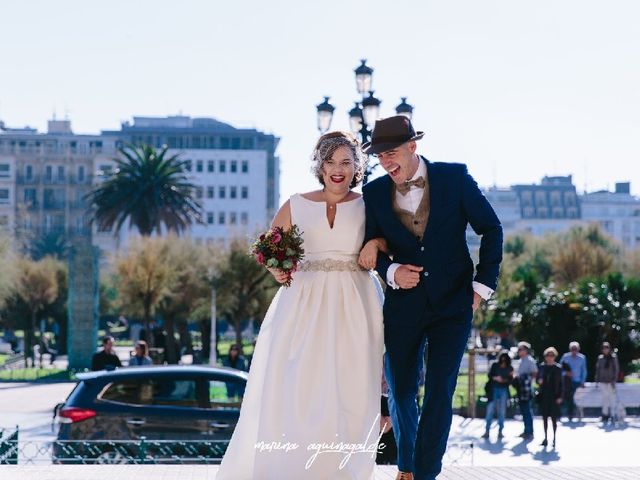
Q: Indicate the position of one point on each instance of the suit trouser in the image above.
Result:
(422, 439)
(609, 399)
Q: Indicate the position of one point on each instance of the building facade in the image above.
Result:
(45, 176)
(235, 171)
(554, 206)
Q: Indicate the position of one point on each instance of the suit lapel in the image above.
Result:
(436, 197)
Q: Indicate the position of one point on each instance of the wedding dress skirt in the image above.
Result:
(312, 402)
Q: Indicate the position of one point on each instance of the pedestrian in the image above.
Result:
(141, 356)
(500, 377)
(578, 364)
(607, 369)
(550, 392)
(105, 359)
(235, 360)
(527, 371)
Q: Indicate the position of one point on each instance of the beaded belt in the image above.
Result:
(330, 265)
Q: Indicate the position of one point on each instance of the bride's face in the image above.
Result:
(339, 170)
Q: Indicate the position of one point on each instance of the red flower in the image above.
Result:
(280, 256)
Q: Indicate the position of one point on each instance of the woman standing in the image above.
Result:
(314, 385)
(607, 369)
(550, 391)
(141, 357)
(500, 377)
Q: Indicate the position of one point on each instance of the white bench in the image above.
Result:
(589, 396)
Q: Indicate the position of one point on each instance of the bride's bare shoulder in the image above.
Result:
(315, 195)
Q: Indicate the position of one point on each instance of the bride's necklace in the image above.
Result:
(332, 206)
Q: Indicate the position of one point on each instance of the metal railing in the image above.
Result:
(144, 452)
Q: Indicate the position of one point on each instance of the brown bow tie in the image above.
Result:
(404, 188)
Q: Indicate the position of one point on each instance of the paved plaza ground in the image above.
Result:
(585, 450)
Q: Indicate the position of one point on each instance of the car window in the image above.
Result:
(226, 393)
(162, 391)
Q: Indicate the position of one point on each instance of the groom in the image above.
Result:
(422, 209)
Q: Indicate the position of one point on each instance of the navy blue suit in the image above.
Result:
(438, 310)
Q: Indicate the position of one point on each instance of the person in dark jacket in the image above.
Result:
(105, 359)
(236, 360)
(550, 392)
(500, 377)
(607, 370)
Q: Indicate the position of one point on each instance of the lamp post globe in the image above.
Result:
(325, 115)
(364, 77)
(404, 108)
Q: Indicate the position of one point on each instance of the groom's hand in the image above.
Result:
(407, 276)
(477, 300)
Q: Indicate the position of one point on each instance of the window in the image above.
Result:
(210, 166)
(60, 172)
(222, 166)
(188, 165)
(153, 392)
(234, 166)
(48, 173)
(4, 170)
(226, 393)
(245, 166)
(233, 218)
(81, 173)
(199, 166)
(28, 172)
(105, 169)
(198, 193)
(210, 191)
(210, 218)
(244, 218)
(222, 192)
(4, 195)
(30, 196)
(221, 218)
(245, 192)
(233, 192)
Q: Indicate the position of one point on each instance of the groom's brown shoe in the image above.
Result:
(404, 476)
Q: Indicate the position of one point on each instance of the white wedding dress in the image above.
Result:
(316, 372)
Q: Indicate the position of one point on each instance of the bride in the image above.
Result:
(312, 401)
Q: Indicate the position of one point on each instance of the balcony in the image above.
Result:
(24, 180)
(55, 181)
(86, 180)
(54, 205)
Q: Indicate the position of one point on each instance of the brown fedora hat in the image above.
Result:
(390, 133)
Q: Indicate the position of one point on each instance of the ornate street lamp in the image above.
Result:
(363, 116)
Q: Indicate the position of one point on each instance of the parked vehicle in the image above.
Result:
(150, 414)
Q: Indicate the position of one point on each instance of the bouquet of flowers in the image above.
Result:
(279, 249)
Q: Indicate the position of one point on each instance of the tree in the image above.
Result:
(149, 189)
(37, 287)
(582, 252)
(188, 289)
(244, 288)
(7, 267)
(143, 276)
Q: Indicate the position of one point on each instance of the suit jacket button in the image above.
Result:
(426, 274)
(422, 249)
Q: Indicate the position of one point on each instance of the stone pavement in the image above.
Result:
(203, 472)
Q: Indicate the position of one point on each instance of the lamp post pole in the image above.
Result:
(363, 115)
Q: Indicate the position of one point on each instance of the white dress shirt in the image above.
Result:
(411, 202)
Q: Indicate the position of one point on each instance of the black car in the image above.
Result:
(150, 414)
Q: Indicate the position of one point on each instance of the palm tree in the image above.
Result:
(149, 189)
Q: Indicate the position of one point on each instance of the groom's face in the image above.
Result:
(401, 162)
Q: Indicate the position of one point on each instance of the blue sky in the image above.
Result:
(515, 89)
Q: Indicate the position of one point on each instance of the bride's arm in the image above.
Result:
(282, 219)
(369, 253)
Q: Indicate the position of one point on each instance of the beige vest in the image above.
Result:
(415, 223)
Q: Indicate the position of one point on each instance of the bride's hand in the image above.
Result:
(279, 275)
(369, 253)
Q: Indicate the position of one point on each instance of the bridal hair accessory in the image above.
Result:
(326, 147)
